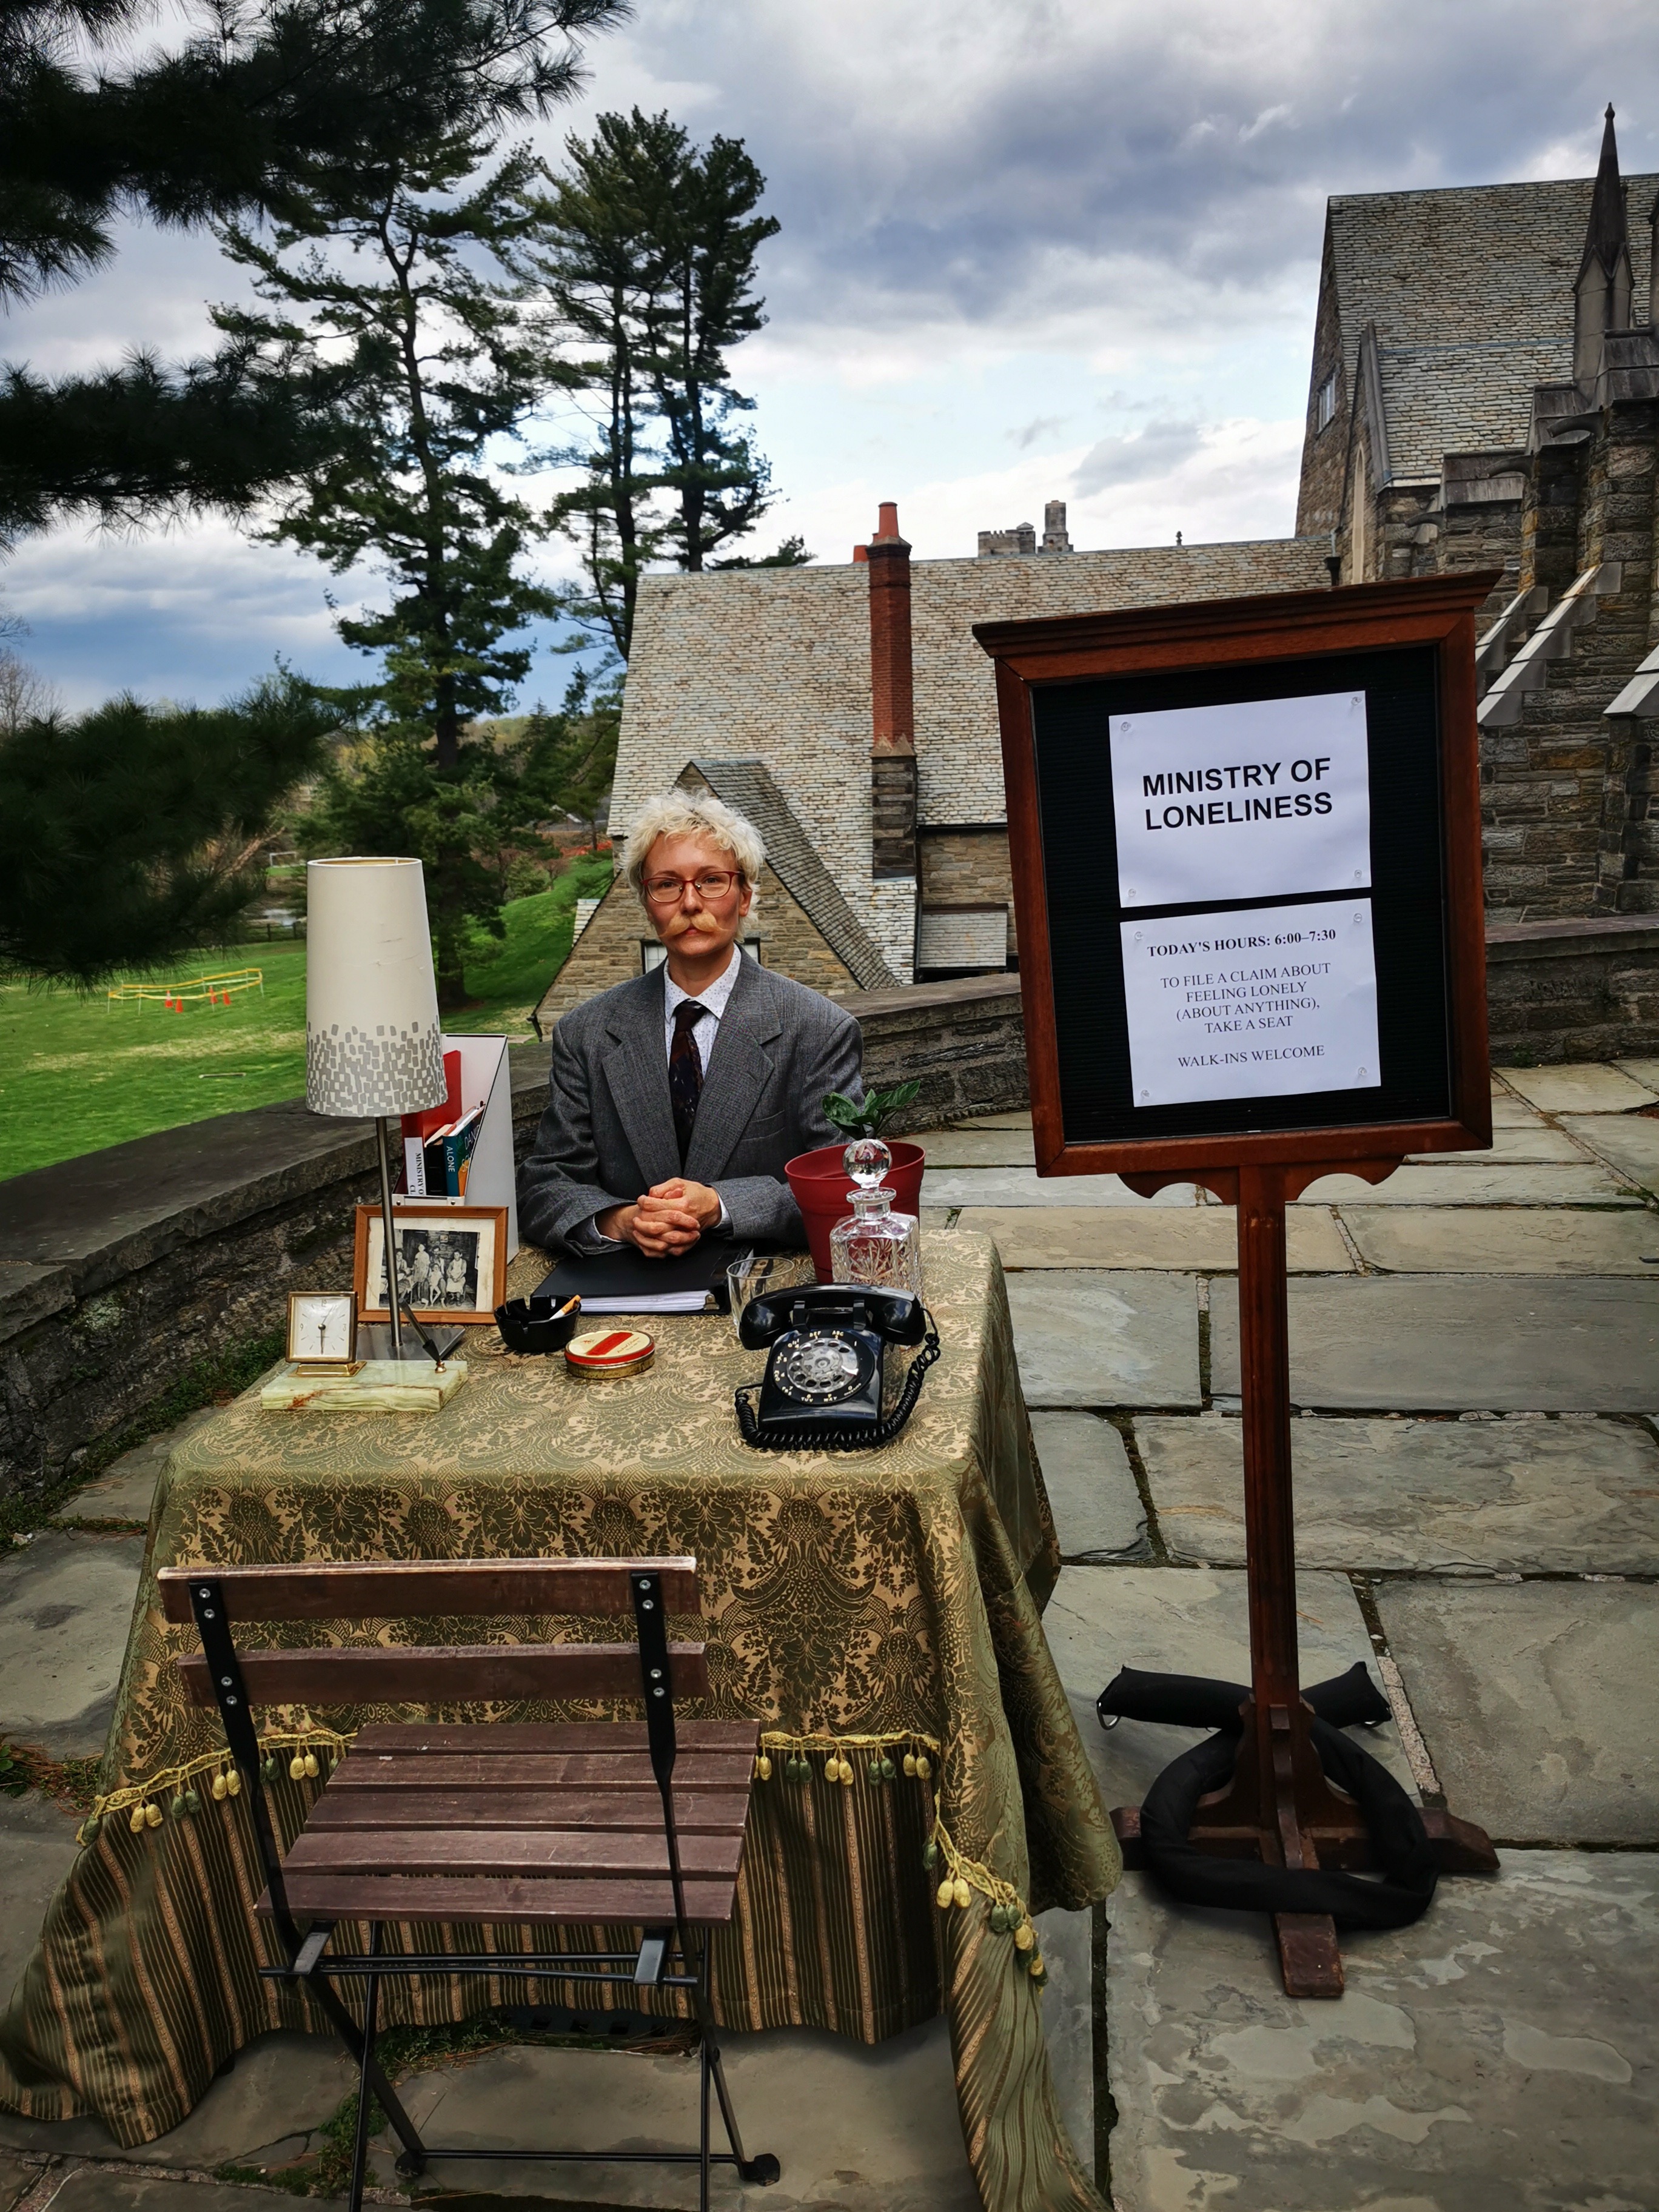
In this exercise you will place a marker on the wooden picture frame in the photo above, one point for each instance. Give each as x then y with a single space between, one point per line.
470 1242
1247 638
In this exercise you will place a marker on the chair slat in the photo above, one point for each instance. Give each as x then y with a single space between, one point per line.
555 1853
437 1900
696 1812
386 1773
459 1675
390 1590
693 1736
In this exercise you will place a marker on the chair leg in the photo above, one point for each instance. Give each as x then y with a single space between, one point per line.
763 2168
366 2073
702 2127
362 2054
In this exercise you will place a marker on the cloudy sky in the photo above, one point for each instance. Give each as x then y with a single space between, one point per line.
1029 249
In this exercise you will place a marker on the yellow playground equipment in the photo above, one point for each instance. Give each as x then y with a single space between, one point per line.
211 990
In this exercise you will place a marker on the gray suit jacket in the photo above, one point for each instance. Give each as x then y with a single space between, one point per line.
608 1132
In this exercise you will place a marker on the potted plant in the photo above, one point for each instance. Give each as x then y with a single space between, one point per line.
818 1180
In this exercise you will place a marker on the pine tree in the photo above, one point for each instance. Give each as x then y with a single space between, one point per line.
406 269
131 834
602 261
706 303
649 269
241 119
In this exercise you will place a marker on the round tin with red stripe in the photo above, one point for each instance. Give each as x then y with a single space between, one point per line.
600 1355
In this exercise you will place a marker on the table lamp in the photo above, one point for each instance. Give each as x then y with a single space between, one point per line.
372 1041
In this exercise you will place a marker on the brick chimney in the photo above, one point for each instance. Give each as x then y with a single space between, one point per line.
892 701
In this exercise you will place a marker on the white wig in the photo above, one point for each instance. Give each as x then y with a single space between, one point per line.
690 814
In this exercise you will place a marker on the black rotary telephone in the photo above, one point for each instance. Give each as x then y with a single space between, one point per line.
822 1386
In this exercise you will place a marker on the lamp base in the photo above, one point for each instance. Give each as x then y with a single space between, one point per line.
380 1386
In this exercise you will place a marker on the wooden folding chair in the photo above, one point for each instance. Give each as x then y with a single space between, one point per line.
531 1827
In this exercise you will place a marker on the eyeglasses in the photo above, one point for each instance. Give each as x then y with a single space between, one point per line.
713 883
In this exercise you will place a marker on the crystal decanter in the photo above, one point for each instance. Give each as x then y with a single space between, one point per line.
873 1244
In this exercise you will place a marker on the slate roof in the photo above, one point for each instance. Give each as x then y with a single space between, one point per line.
774 663
747 786
1471 289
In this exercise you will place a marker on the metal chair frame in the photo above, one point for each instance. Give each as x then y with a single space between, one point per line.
307 1960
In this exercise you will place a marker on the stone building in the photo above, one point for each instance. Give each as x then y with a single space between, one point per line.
1485 393
856 705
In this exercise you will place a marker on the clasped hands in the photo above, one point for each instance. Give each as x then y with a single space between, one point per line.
669 1218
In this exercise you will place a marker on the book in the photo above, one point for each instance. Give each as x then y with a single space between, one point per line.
418 1128
627 1282
458 1140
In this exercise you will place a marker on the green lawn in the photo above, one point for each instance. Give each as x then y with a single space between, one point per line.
76 1073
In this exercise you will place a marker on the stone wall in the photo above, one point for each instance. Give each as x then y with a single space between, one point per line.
1573 990
123 1270
969 867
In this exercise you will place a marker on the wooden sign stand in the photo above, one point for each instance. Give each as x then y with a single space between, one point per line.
1278 1805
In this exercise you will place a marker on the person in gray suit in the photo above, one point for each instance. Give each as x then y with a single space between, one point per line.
674 1099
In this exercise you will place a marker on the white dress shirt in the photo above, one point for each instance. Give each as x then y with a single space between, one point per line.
713 1001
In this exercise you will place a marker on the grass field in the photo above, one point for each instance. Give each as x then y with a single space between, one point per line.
77 1074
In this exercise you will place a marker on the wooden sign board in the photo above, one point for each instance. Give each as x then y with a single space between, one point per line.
1246 846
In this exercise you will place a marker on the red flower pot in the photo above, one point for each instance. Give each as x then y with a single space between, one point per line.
820 1184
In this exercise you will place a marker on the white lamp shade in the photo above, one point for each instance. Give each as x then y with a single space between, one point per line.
372 1041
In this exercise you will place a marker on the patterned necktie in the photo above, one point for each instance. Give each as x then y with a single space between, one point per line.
685 1071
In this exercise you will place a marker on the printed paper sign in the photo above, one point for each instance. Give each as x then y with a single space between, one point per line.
1268 798
1253 1004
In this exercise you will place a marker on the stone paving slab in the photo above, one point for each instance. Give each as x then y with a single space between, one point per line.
1523 1496
1203 1239
1505 1241
264 2113
977 1147
65 1607
1187 1621
1499 2056
856 2127
1628 1142
1024 1187
91 2189
1019 1120
1090 1485
1584 1087
1539 1702
1087 1338
126 1489
1640 1071
1427 1343
1509 1112
1586 1183
1531 1138
37 1850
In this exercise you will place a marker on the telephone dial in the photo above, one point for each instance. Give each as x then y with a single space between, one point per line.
823 1385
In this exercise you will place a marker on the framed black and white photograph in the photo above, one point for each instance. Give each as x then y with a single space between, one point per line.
452 1261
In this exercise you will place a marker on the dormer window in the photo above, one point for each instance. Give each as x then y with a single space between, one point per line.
1325 403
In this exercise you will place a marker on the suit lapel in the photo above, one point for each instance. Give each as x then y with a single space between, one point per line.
737 1071
636 1073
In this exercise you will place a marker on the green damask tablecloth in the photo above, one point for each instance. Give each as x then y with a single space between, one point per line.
892 1594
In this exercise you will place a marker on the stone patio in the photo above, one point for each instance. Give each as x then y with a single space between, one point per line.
1475 1354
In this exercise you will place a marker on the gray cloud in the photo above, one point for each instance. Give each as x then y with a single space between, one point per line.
1040 426
975 161
1152 452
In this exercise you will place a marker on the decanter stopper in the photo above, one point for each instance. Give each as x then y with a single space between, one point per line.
866 1159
